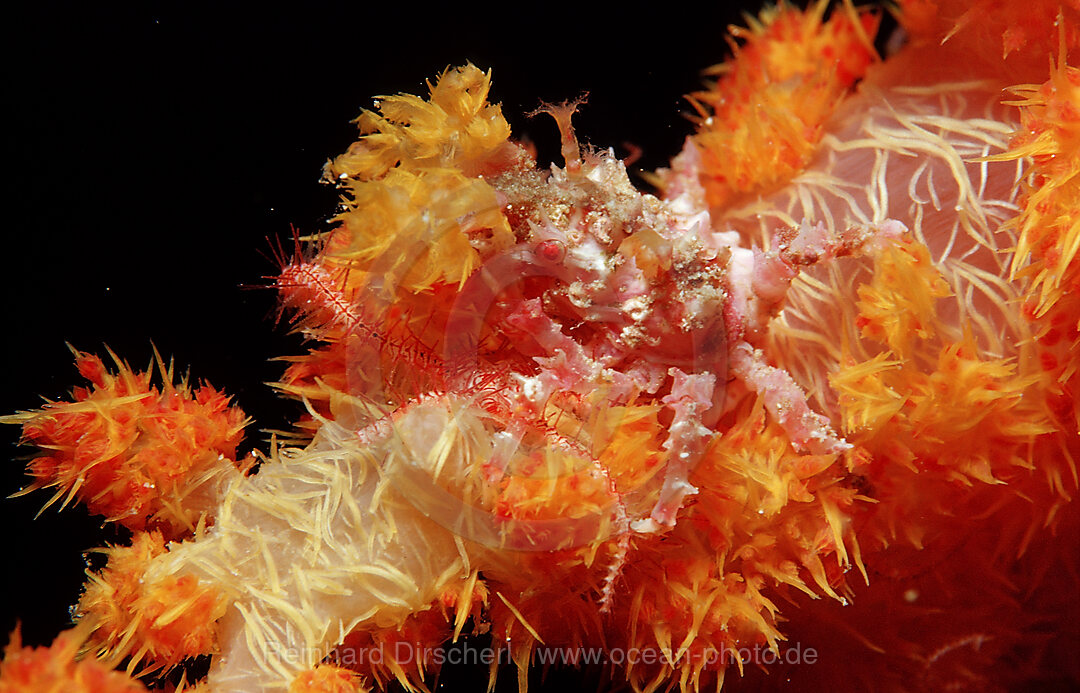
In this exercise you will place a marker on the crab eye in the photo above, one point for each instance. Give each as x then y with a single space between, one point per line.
550 251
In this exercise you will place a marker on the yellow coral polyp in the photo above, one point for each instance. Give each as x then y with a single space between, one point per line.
901 394
772 485
969 416
418 212
866 400
633 461
559 483
456 127
414 230
898 305
927 404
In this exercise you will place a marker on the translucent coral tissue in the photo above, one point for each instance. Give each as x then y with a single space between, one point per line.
803 411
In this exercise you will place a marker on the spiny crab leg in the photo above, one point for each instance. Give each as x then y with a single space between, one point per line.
758 281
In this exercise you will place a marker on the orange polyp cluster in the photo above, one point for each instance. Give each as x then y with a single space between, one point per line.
1049 229
794 509
56 669
762 120
586 471
561 482
937 417
765 518
140 456
326 678
160 619
1049 226
1012 38
956 441
1045 258
406 653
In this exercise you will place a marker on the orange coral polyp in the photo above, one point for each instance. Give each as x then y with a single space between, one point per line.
1049 229
575 415
159 620
326 678
138 455
57 669
762 120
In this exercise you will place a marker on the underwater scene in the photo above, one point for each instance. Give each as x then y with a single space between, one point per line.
593 350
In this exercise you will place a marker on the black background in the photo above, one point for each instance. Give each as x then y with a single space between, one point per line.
151 151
